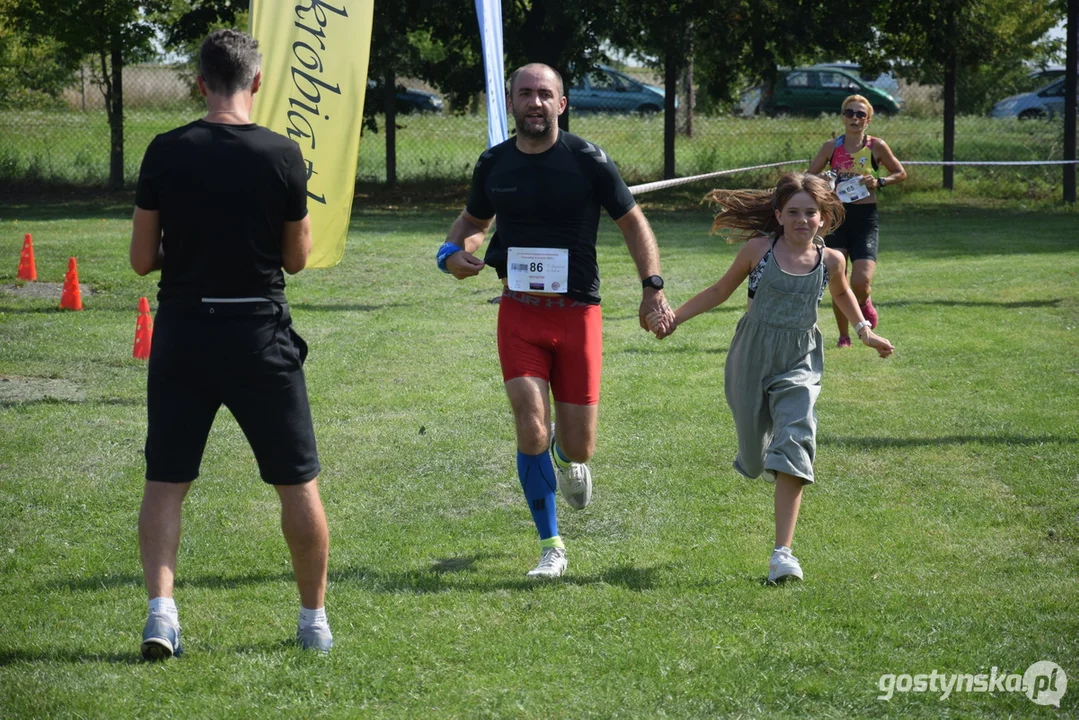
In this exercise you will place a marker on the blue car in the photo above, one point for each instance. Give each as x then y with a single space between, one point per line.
604 89
1040 104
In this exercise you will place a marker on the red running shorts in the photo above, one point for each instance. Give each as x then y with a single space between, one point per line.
553 338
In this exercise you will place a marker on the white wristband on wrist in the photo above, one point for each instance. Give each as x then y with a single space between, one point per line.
863 325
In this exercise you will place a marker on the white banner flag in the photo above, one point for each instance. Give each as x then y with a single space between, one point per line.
489 13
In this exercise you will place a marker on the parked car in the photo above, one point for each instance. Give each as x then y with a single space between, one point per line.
1048 102
882 81
410 100
605 89
812 91
1047 74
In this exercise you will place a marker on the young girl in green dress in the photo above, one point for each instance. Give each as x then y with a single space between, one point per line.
773 372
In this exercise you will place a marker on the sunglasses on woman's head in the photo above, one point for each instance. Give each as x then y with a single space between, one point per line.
854 113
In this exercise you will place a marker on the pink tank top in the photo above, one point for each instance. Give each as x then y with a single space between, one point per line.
847 165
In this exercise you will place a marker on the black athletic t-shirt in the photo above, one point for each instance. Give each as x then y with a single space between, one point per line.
224 193
549 200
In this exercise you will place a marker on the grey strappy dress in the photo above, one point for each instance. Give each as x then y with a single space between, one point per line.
773 373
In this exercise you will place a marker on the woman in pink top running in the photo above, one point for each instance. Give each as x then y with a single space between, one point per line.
855 158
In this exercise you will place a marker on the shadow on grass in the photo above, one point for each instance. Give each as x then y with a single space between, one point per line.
455 573
671 348
134 580
870 443
345 307
436 579
49 310
76 656
67 655
85 206
973 303
119 402
636 319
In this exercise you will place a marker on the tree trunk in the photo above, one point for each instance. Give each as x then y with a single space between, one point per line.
949 121
115 102
390 105
1072 44
670 119
690 99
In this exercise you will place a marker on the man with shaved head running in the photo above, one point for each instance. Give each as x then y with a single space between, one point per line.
547 187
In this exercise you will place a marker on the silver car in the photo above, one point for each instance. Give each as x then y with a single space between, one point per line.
1045 103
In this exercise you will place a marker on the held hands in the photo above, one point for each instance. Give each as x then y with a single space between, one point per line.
661 323
463 264
881 345
654 303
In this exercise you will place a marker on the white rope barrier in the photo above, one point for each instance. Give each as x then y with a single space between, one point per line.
664 184
990 162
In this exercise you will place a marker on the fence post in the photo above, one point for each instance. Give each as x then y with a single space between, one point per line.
949 121
1072 43
670 119
116 118
689 93
390 106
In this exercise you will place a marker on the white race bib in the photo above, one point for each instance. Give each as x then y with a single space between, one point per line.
851 190
538 269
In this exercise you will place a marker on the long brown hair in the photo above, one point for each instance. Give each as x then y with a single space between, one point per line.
747 213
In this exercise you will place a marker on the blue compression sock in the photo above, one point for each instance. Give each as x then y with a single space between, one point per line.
538 482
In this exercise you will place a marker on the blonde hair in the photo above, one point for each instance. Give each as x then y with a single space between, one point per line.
859 99
748 213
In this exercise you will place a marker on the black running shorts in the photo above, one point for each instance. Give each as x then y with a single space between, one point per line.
858 233
245 356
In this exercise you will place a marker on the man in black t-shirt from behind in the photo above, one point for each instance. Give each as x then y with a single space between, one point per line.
221 208
547 188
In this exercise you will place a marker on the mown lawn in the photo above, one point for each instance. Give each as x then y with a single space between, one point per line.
942 534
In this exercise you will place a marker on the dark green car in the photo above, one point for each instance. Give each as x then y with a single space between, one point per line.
812 91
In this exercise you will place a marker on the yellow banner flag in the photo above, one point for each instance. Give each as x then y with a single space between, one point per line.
314 78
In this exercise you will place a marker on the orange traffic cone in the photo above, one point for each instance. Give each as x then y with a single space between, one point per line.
27 267
144 331
72 296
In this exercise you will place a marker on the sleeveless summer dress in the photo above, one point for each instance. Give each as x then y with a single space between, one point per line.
773 373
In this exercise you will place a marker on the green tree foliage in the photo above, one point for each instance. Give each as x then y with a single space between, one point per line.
112 33
990 43
33 71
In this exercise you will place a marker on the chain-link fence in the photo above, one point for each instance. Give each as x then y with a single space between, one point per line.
70 143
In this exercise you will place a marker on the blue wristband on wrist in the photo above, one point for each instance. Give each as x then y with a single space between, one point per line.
444 252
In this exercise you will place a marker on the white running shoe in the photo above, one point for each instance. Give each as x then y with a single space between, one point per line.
574 482
783 567
552 564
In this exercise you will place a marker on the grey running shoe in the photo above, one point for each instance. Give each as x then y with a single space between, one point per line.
316 637
552 564
160 637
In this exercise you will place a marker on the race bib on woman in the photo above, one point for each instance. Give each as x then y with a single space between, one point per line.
538 270
851 190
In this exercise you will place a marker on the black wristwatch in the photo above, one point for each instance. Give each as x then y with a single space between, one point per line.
881 182
653 281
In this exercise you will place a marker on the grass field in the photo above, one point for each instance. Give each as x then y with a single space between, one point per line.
73 147
942 535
